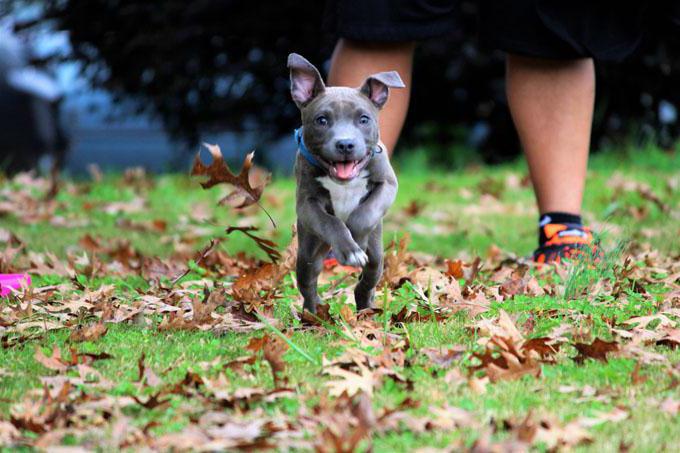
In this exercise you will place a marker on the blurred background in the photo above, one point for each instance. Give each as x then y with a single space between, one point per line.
127 83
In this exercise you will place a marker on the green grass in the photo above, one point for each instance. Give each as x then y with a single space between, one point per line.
459 220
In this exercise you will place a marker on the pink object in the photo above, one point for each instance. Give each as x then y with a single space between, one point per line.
8 282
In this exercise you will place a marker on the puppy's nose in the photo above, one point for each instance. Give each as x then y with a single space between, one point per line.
344 146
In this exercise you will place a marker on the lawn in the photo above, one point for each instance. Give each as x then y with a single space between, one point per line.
147 326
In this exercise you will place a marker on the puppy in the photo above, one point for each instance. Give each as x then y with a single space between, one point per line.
345 183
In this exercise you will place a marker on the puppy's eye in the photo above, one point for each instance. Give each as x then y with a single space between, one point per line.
364 119
321 120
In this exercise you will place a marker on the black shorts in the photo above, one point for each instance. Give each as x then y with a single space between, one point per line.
554 29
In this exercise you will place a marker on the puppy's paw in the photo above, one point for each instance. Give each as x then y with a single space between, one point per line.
357 258
351 255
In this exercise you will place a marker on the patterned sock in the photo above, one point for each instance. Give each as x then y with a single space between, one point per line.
562 235
556 218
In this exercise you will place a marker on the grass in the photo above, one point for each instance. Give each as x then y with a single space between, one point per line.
461 215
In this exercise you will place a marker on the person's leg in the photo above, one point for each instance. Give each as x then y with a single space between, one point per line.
353 61
551 102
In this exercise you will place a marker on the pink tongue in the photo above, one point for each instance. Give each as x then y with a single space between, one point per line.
344 169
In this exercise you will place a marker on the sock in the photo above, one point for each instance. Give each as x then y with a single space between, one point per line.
565 218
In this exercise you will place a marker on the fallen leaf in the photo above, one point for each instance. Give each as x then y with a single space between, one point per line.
443 357
53 362
670 339
273 350
92 332
598 350
349 382
635 377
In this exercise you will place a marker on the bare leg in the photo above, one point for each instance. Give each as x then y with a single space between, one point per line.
353 61
551 102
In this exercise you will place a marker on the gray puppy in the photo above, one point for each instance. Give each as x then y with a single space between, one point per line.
345 182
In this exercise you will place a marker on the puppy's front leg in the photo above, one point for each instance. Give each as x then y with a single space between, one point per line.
370 212
364 293
309 264
333 232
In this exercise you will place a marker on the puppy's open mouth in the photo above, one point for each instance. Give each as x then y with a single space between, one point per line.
348 169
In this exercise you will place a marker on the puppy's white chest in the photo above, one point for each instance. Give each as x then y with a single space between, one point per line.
345 197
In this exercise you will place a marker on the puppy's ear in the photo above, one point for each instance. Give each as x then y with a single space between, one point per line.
305 80
377 86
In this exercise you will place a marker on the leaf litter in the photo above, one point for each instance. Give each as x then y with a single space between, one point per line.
221 292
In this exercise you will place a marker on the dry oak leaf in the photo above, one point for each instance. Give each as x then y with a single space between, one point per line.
53 362
671 338
145 375
551 433
504 360
395 258
545 347
455 269
273 350
88 333
58 363
597 350
503 326
218 172
349 382
643 321
444 357
515 365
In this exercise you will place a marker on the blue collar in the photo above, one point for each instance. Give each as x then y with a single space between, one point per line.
304 151
310 157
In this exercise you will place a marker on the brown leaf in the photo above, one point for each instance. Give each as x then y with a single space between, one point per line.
444 357
53 362
635 377
547 431
414 208
597 350
670 339
503 360
395 258
87 357
454 269
90 244
248 288
349 382
544 346
256 343
273 349
92 332
515 367
153 401
346 422
145 375
218 172
503 326
475 267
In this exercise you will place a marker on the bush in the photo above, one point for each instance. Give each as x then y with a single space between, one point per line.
215 64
